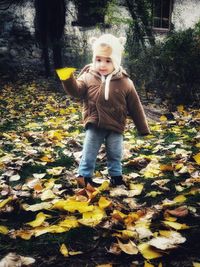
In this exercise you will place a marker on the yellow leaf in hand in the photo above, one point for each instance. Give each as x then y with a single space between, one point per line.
40 218
65 73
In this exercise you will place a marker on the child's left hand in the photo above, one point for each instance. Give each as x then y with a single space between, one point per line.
65 73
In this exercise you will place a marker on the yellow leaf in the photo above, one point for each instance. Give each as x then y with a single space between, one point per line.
64 251
92 218
198 145
136 188
47 194
3 230
50 183
24 234
72 205
55 171
118 215
147 264
160 264
65 73
176 225
196 264
5 201
180 108
40 218
148 252
104 186
163 118
166 167
69 222
104 203
153 193
126 234
56 229
33 125
46 159
197 158
180 199
74 253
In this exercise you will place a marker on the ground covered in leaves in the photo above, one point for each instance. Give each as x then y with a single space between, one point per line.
152 221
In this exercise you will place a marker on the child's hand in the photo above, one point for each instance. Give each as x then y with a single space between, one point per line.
65 73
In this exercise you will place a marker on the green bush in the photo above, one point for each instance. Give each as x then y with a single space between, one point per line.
171 68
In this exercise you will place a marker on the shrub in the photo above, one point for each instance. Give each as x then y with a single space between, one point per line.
171 68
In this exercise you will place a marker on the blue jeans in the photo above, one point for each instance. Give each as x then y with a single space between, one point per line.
94 138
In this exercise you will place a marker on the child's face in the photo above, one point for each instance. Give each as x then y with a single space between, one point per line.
103 65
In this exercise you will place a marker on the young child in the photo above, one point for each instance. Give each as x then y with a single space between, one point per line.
108 95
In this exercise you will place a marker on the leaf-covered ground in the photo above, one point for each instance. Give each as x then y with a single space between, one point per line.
153 221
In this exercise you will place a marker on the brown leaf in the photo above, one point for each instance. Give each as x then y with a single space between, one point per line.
178 212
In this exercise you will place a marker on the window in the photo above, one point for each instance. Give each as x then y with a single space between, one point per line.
161 14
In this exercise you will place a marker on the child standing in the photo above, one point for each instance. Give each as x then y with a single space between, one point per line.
108 95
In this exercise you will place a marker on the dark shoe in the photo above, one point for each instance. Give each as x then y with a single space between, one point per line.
117 180
84 181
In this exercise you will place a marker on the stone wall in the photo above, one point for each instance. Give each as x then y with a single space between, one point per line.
19 51
186 14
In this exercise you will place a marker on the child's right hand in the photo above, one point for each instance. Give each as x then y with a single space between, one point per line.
65 73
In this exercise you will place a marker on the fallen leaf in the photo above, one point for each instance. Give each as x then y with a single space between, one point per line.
64 251
197 158
165 243
39 220
5 201
104 203
36 207
13 260
69 222
136 188
163 118
14 178
176 225
147 264
129 248
3 230
149 252
72 205
92 218
179 199
178 212
47 194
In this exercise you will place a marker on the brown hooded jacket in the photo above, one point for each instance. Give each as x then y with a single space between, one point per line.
112 113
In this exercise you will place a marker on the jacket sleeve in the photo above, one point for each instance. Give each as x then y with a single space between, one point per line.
75 87
136 110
